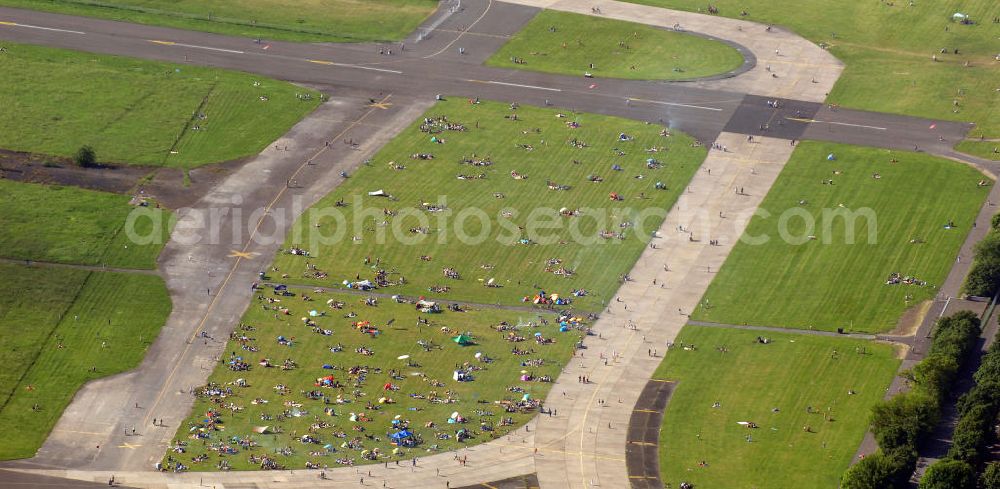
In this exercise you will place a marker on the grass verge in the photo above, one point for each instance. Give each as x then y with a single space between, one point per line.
983 149
568 44
140 112
301 20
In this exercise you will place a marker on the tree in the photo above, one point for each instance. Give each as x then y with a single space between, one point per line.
973 434
871 472
934 375
85 157
988 247
881 470
900 421
949 474
984 277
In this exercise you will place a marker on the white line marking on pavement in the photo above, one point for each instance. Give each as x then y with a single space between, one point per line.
172 43
536 87
467 29
344 65
853 125
369 68
29 26
208 48
674 104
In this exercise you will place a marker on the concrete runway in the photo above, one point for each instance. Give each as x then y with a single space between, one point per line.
424 68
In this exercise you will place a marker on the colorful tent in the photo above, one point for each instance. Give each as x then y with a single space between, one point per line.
463 340
401 434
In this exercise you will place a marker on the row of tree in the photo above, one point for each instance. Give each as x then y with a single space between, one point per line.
984 277
901 422
974 434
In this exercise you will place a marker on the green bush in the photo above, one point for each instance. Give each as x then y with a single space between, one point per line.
995 222
949 474
988 247
973 434
934 374
978 410
870 472
984 277
901 422
983 394
955 335
989 370
991 477
85 157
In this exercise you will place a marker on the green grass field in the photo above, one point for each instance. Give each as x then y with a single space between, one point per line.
72 225
792 373
298 20
887 47
140 112
56 326
565 43
828 283
420 387
478 235
983 149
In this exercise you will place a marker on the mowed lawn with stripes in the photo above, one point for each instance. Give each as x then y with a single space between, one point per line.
60 328
140 112
832 233
61 325
807 397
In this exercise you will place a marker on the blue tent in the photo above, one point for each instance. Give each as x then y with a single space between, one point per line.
401 434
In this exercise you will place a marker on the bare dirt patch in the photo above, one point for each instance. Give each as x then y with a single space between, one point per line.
167 186
911 319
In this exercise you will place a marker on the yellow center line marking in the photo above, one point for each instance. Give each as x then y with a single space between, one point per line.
320 61
662 380
381 105
644 411
164 43
129 446
241 254
7 23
